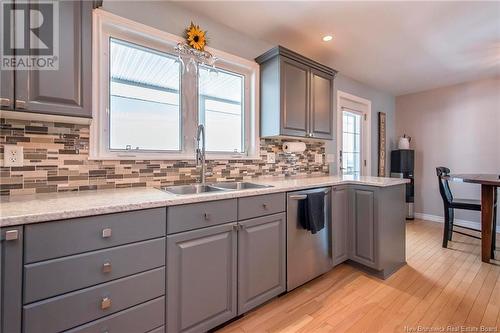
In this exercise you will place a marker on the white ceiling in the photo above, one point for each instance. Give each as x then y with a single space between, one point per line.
399 47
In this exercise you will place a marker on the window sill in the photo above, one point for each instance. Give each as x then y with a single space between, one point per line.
168 157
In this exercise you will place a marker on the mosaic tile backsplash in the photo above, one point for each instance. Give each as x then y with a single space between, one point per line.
56 160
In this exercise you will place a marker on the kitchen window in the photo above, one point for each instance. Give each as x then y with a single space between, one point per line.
144 104
147 106
221 109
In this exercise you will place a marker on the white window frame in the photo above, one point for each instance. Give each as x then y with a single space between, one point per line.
106 26
362 107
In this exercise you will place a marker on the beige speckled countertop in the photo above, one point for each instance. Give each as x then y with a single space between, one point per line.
18 210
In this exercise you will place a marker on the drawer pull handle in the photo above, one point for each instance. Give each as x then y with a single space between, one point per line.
5 101
106 233
20 104
264 206
106 267
298 197
11 235
105 303
206 216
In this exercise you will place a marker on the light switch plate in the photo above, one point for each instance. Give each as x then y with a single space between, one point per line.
330 158
13 155
318 158
271 158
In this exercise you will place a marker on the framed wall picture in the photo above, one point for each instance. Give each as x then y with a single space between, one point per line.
381 144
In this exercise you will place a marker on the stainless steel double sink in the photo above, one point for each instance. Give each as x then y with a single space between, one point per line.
214 187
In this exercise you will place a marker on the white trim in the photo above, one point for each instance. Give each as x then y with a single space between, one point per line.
458 222
105 25
22 115
366 132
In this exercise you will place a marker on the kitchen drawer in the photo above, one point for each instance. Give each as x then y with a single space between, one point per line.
139 319
200 215
261 205
58 276
80 307
66 237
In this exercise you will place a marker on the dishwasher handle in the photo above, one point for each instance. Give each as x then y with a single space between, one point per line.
303 196
298 197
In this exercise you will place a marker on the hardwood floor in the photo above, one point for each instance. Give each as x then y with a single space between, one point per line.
438 288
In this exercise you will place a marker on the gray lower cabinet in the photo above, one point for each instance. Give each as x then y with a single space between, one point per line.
11 272
377 228
261 260
67 90
76 308
363 227
201 278
138 319
340 223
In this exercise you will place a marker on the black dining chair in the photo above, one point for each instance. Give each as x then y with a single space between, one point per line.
450 204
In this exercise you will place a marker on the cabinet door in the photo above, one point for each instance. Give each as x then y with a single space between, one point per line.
363 224
201 278
340 218
11 265
261 260
321 105
66 91
294 98
6 89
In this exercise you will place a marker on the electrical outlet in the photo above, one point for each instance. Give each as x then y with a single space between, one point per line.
13 155
318 158
271 158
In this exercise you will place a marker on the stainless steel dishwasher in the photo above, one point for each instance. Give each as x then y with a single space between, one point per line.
308 255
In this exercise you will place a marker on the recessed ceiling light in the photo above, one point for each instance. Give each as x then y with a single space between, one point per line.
327 38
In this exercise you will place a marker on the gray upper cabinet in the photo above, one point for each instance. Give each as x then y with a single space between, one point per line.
340 223
295 100
201 278
261 260
321 116
296 95
67 90
6 89
11 272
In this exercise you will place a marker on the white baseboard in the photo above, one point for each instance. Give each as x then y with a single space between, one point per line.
440 219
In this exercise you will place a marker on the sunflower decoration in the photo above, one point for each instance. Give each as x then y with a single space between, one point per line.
196 37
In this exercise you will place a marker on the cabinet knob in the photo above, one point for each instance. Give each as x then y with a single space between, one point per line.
20 104
264 206
106 233
206 216
106 267
4 101
105 303
11 235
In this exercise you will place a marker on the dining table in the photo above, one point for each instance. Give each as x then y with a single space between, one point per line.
489 185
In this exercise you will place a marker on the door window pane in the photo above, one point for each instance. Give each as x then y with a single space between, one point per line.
221 109
144 111
351 143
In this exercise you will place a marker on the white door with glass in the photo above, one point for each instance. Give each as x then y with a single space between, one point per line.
353 135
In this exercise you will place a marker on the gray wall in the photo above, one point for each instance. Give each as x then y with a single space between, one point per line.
169 17
457 127
381 102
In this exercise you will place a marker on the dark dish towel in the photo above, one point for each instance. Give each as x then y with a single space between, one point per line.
312 212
